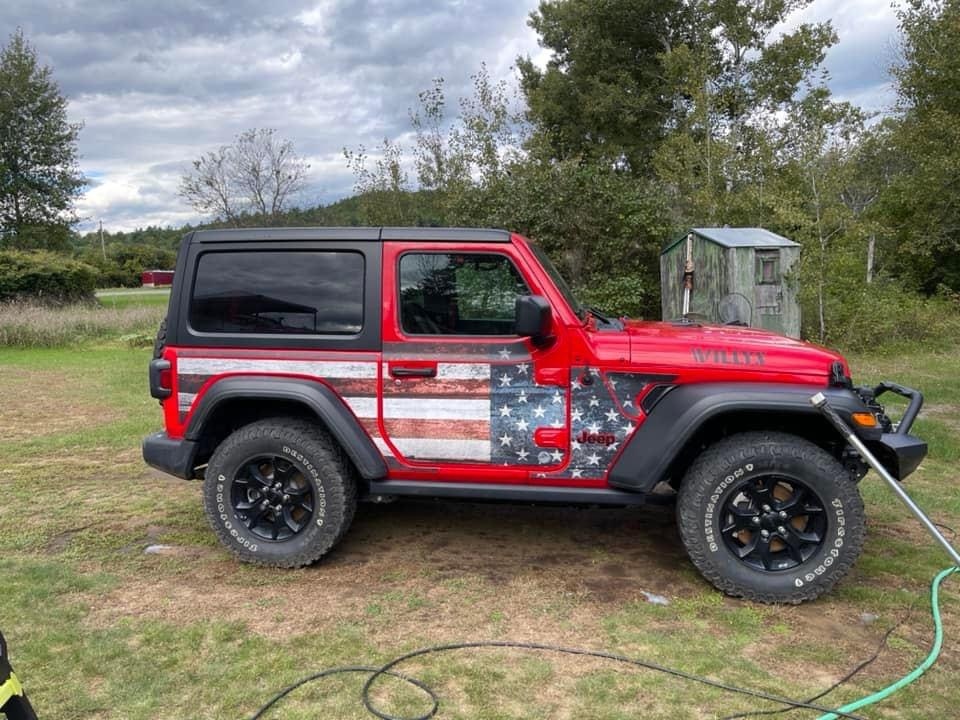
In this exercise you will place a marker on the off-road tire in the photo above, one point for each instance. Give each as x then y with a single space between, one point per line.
716 478
319 460
160 340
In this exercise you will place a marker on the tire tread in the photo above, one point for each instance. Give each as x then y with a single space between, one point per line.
340 486
715 462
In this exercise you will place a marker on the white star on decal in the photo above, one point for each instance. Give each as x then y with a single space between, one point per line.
504 353
576 415
612 415
594 402
539 411
523 396
612 447
505 380
505 440
613 383
522 425
523 368
575 384
557 399
628 403
574 445
522 454
594 427
557 424
593 459
578 473
556 455
627 429
505 411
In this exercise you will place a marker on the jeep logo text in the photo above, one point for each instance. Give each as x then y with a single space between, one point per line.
595 438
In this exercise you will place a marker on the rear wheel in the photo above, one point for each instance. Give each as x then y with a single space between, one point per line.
279 492
770 517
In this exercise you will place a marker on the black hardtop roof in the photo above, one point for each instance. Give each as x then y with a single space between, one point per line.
376 234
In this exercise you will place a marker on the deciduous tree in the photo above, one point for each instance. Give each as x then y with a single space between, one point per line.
258 174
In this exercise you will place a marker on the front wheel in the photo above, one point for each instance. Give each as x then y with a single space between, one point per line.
279 492
770 517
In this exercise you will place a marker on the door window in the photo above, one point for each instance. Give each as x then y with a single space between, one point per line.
458 293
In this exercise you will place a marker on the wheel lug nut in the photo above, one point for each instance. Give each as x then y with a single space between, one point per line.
755 520
765 533
782 530
766 508
286 498
783 515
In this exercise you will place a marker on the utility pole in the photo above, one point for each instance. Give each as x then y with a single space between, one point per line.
103 248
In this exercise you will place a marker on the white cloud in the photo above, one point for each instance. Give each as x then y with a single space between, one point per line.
159 84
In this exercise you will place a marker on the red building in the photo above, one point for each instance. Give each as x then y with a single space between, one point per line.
156 278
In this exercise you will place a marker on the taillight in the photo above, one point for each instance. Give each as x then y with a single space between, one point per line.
161 379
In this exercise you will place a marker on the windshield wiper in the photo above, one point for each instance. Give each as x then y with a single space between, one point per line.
600 316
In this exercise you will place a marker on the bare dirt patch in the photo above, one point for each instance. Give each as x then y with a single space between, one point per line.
948 414
35 403
447 570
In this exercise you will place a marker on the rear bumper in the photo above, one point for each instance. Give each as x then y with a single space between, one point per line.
169 455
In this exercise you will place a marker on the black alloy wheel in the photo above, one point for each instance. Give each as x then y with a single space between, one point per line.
770 516
773 523
279 492
272 498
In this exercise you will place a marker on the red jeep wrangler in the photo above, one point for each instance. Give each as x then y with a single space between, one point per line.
302 370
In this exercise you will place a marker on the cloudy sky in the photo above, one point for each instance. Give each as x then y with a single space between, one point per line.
160 83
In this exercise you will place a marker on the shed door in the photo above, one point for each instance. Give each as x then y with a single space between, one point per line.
768 283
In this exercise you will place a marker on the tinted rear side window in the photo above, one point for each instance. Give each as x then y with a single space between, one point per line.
282 292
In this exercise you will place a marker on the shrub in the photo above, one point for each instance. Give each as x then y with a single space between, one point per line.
124 264
884 314
44 277
617 295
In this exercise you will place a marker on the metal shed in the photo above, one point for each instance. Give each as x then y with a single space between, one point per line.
739 275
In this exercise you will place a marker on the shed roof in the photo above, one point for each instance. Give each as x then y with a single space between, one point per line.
738 237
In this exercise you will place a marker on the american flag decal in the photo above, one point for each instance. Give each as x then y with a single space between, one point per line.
602 413
483 412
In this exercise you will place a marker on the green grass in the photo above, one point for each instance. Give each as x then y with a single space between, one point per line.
133 297
98 629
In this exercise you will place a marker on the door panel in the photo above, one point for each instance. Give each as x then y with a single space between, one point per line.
476 409
453 394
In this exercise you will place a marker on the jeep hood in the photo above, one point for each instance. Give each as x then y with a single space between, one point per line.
727 348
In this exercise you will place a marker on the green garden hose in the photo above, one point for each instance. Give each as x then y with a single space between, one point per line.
921 668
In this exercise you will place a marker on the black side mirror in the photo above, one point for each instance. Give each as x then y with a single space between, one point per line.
533 317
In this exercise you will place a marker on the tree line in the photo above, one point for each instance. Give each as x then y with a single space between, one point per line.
650 117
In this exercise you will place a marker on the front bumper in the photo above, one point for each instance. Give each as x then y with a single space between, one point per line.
900 452
170 455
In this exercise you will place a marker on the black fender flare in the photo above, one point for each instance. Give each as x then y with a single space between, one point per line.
317 397
681 412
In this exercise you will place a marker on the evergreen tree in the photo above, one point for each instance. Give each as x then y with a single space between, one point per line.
39 177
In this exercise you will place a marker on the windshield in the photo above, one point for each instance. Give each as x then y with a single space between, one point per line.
558 279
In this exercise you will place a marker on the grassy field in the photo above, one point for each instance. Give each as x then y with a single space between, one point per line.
99 629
